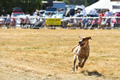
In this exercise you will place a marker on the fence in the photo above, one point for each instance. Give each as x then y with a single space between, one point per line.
76 24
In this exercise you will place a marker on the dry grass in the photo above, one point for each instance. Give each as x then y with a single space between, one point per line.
46 54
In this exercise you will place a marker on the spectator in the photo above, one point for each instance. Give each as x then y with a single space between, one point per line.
100 18
108 13
98 13
13 23
78 12
35 13
73 23
103 11
103 23
94 23
75 15
67 14
108 22
43 23
70 22
22 22
76 23
2 20
49 15
7 22
26 22
116 21
38 13
89 22
34 22
84 22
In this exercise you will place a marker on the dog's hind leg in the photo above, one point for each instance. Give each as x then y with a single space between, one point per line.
75 58
79 63
82 65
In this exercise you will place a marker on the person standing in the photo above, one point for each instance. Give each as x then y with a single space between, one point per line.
7 22
2 20
13 23
27 22
84 22
108 13
35 13
100 18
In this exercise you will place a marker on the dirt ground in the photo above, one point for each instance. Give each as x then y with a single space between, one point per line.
45 54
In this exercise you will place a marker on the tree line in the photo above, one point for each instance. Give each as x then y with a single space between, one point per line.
29 6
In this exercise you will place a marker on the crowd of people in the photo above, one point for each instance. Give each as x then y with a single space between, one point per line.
25 22
8 22
105 19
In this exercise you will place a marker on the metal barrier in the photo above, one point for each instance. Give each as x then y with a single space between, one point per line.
115 22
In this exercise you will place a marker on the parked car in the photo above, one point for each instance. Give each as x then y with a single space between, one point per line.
88 15
60 14
17 12
51 13
42 12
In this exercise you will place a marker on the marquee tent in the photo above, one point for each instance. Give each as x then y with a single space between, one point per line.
116 7
102 4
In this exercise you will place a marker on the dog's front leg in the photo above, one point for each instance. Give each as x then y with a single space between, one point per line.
82 65
75 57
79 63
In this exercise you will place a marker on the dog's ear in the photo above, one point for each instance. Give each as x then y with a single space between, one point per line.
88 38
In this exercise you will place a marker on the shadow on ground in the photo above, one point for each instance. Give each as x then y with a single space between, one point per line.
92 73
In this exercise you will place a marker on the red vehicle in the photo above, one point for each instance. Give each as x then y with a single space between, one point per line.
17 12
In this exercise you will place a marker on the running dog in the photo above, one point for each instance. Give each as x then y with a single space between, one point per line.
81 51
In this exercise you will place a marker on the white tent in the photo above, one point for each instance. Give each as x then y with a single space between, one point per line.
102 4
91 11
116 7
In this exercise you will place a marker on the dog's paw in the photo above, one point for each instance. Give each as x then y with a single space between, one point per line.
76 67
73 71
81 66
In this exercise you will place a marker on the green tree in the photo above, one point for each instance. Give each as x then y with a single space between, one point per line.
89 2
28 6
66 1
86 2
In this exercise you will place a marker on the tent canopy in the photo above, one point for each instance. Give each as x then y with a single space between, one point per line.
102 4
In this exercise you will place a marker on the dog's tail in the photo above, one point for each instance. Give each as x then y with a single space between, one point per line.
74 47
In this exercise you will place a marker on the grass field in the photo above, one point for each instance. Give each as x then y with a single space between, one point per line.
45 54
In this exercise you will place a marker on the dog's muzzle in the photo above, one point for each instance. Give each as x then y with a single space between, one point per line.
80 43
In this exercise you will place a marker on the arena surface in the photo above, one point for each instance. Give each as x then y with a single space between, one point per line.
45 54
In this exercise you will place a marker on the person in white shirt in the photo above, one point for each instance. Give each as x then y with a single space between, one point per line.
2 20
78 12
75 15
35 13
108 13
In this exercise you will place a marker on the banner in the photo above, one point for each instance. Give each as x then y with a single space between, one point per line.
53 21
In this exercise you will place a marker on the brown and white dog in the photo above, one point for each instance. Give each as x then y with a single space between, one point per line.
81 51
